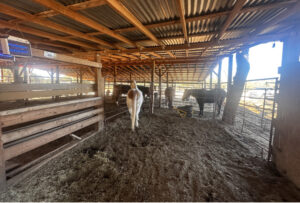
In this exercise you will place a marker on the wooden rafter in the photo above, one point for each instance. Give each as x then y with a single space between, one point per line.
40 33
171 54
180 8
123 11
262 38
47 23
236 9
154 54
281 4
82 19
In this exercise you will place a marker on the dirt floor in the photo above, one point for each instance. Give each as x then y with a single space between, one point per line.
167 159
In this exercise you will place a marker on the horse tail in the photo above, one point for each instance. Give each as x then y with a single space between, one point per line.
134 107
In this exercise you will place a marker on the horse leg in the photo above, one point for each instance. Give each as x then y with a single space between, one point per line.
201 108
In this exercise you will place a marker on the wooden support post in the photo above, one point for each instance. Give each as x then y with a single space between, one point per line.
152 88
229 79
25 72
80 78
57 79
204 84
167 79
144 83
159 78
130 76
2 164
210 80
16 73
115 75
100 89
219 73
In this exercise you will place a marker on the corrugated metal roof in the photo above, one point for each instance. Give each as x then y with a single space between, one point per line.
105 16
28 6
161 11
149 11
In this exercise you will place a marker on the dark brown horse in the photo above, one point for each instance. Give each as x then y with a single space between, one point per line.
170 95
206 96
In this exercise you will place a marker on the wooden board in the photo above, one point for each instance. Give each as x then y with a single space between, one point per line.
23 147
30 87
10 96
64 58
18 118
40 127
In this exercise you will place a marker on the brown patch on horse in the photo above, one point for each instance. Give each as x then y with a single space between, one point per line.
132 93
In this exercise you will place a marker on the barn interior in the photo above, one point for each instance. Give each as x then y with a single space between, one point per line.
65 137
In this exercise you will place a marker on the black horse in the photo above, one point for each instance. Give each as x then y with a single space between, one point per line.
206 96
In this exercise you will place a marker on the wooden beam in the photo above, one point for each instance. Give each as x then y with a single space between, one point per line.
74 7
155 54
123 11
171 54
180 8
201 45
152 88
236 9
8 10
63 58
82 19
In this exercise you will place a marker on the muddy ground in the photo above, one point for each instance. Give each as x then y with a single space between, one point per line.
167 159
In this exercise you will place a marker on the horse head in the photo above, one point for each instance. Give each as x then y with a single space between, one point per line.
186 95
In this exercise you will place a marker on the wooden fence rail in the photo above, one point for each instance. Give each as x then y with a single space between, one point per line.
36 126
9 92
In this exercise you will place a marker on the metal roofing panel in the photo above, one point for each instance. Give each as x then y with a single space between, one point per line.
106 16
45 29
69 2
198 7
28 6
70 23
149 11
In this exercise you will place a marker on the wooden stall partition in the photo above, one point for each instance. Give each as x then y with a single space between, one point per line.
32 127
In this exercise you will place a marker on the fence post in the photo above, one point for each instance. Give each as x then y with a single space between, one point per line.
152 88
2 163
263 111
272 121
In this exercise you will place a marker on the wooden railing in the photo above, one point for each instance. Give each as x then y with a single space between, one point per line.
10 92
43 124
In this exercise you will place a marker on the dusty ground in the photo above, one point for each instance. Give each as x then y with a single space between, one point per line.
167 159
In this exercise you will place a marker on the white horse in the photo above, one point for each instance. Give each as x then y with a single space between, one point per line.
134 102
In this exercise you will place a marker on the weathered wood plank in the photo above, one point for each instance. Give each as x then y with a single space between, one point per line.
46 106
23 147
43 113
30 87
64 58
40 127
9 96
